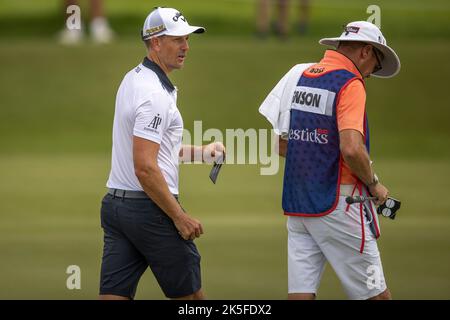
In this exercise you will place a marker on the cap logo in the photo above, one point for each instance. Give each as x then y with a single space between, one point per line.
177 16
352 29
155 29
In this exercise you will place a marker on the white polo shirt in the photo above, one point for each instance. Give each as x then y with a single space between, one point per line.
146 108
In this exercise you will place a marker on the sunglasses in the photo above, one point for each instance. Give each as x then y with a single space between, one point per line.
377 56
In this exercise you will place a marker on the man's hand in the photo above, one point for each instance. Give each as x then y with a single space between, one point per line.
379 191
213 151
189 228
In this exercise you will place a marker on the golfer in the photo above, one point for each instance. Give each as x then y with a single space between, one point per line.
143 222
319 112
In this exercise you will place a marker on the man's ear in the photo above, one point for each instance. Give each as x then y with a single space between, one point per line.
155 44
365 51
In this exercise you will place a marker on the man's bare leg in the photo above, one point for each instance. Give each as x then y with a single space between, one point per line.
263 17
385 295
199 295
283 18
301 296
111 297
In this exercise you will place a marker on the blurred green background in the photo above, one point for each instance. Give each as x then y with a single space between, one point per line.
56 111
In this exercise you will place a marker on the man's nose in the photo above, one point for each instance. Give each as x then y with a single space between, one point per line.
185 45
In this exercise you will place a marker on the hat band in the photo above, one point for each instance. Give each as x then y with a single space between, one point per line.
154 31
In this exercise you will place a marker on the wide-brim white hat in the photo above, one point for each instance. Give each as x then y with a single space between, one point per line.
367 32
167 21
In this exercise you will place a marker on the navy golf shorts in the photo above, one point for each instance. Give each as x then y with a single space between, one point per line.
137 235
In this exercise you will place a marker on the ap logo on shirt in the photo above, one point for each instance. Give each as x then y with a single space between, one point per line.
155 122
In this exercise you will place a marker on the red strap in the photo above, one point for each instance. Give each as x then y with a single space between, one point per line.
348 205
363 235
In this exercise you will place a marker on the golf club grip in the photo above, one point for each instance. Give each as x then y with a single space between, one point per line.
358 199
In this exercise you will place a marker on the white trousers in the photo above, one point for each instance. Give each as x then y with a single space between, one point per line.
337 238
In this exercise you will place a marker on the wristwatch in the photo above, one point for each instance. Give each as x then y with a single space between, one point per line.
374 181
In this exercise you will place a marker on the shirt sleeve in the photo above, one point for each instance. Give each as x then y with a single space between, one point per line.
351 107
152 118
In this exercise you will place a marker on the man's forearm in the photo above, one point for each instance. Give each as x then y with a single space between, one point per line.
189 153
281 146
359 164
154 184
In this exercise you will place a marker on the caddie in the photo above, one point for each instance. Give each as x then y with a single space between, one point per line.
318 110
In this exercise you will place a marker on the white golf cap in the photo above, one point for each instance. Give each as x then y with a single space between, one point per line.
369 33
167 21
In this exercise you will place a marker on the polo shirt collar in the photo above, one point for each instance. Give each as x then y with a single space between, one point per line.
165 81
332 57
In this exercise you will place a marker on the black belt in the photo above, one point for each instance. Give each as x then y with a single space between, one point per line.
130 194
127 194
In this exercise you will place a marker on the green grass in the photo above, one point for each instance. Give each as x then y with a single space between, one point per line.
50 220
65 98
399 18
